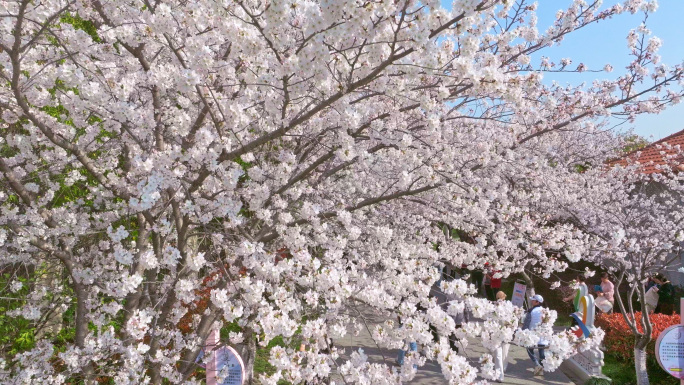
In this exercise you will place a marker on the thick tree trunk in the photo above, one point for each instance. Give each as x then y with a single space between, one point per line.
642 340
530 285
248 354
640 366
49 278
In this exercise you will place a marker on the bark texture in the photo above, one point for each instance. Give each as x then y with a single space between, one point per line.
640 366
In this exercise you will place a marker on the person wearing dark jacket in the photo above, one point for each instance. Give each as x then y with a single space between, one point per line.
478 279
666 299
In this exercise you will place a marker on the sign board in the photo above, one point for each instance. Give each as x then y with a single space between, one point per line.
229 366
225 364
518 297
670 350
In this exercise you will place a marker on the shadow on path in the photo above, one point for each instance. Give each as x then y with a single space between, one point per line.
520 368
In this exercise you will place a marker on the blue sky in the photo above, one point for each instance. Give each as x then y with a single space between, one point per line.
605 43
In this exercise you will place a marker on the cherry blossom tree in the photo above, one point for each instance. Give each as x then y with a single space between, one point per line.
284 164
632 217
638 231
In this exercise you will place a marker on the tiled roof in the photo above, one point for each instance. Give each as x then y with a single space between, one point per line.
658 154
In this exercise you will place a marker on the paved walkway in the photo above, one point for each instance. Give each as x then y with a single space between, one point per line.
519 365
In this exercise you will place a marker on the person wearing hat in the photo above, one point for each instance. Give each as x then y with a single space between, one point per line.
533 318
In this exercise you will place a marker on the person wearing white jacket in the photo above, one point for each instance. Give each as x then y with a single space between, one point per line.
500 353
533 319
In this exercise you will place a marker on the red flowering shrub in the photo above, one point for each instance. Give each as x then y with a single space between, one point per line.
619 339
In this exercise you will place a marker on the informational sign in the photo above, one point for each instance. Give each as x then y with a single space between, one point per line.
229 366
518 298
225 366
670 350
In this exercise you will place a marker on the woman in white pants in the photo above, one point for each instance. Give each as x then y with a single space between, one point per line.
500 354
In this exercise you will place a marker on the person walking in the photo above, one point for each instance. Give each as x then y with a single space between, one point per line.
533 318
500 353
412 345
459 317
492 285
477 276
402 353
489 294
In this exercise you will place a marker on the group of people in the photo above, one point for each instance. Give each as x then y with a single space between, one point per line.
658 289
490 281
658 297
605 293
